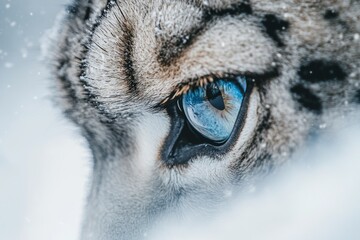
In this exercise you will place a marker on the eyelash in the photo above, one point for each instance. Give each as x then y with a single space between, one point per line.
183 88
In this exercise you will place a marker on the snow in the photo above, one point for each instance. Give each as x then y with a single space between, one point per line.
8 65
356 37
43 162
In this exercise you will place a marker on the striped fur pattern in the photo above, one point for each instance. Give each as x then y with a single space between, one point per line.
116 63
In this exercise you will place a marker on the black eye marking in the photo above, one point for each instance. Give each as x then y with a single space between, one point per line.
273 26
331 14
306 98
321 70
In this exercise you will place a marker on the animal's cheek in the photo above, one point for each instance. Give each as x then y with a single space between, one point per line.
150 134
213 174
248 132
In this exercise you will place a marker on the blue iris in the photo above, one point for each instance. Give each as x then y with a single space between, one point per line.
212 110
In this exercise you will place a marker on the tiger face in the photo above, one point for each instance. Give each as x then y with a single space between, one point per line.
181 101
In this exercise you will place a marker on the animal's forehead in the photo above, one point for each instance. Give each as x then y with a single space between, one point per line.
155 45
174 42
178 26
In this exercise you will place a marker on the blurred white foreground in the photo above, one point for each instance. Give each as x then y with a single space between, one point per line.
43 161
315 197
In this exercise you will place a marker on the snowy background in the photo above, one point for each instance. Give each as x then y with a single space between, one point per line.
44 162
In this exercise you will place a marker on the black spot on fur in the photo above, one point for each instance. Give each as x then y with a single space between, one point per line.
331 14
265 123
321 70
357 97
80 10
274 26
72 9
88 10
306 98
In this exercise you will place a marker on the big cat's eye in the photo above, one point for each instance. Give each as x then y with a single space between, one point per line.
212 110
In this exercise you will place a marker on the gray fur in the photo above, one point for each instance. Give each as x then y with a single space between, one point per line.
111 98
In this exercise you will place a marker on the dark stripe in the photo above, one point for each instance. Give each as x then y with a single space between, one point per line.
263 155
66 83
88 94
127 58
321 70
128 45
275 26
172 48
75 10
306 98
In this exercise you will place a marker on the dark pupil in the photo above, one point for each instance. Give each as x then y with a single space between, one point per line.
214 96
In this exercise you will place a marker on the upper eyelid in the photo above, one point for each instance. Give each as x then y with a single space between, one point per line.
258 78
184 87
